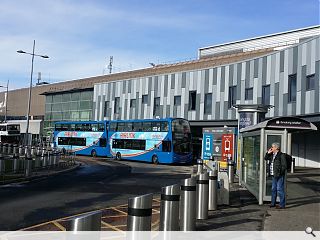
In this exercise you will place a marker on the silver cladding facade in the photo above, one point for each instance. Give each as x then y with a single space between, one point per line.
272 69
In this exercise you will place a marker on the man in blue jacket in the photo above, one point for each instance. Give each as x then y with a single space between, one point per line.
278 167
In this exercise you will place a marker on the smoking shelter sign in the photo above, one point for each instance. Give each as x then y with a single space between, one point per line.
246 119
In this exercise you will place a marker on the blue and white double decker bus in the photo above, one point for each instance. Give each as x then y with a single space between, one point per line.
152 140
83 138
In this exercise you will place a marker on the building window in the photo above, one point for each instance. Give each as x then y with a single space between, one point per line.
232 96
117 105
106 108
177 100
266 95
144 99
156 107
208 103
132 103
249 94
292 81
310 83
192 100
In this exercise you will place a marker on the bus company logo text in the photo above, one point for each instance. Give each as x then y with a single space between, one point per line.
127 135
70 134
156 136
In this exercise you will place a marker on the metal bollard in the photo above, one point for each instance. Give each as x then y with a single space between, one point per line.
293 165
169 208
213 190
28 165
5 148
2 163
202 195
15 162
21 150
187 203
139 213
15 149
10 149
50 158
44 157
33 151
200 166
231 171
1 146
86 222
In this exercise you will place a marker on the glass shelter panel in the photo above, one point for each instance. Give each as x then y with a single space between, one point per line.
251 163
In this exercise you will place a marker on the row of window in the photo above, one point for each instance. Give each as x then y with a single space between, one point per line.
137 144
145 126
86 127
76 141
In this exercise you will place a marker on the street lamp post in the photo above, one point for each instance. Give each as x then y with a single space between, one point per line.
6 102
27 140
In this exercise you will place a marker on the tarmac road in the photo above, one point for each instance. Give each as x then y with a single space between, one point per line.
95 185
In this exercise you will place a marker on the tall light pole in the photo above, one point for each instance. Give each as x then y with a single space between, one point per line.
29 98
6 102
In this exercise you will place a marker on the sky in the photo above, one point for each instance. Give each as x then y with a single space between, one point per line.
79 36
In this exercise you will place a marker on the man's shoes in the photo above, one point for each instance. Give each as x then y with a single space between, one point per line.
279 207
272 206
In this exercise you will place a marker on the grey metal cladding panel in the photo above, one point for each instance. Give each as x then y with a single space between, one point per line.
98 109
303 88
138 106
198 106
183 82
247 72
113 93
125 108
294 108
175 111
276 99
239 72
150 83
256 68
264 70
223 74
231 67
317 83
165 85
285 104
259 100
130 82
214 82
217 111
225 112
282 61
206 81
173 80
168 111
185 111
156 81
238 91
124 86
161 111
295 60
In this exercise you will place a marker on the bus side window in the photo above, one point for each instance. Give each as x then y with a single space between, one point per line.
164 127
103 142
101 127
166 146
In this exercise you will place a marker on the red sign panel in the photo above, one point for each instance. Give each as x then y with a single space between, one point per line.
227 147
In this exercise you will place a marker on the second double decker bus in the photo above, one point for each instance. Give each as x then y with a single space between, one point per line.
165 140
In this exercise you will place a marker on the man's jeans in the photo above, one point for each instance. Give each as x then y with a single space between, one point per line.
278 190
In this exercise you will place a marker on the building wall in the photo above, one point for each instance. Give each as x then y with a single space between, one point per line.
274 69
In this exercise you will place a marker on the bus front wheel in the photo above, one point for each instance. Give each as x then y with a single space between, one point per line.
118 156
93 153
155 159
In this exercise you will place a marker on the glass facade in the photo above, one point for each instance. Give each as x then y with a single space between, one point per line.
69 106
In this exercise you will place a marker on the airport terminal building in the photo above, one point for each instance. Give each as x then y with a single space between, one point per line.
281 70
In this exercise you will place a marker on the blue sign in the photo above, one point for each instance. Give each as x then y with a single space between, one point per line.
207 146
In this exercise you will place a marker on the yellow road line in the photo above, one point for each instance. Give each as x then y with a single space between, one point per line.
113 208
62 228
38 225
156 211
114 216
110 226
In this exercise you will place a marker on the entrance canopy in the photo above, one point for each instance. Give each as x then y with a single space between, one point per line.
290 123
